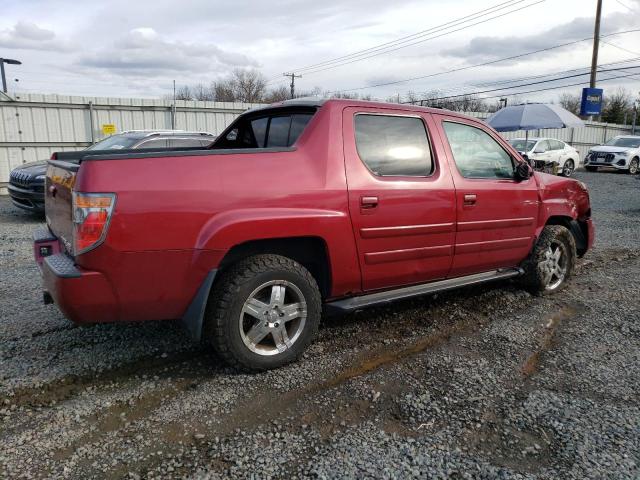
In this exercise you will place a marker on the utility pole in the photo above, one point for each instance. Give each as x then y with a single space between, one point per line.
596 42
293 82
8 61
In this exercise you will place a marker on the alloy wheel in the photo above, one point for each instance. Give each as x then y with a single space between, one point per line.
633 166
554 265
567 168
273 317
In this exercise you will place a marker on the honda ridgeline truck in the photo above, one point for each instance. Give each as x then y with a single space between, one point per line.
298 207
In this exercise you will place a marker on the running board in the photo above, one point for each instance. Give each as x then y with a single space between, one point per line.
355 303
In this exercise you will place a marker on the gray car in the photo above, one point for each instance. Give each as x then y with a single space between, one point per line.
26 182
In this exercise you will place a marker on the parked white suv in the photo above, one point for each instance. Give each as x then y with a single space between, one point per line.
621 152
548 154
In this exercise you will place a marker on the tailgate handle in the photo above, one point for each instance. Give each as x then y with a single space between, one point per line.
369 202
470 199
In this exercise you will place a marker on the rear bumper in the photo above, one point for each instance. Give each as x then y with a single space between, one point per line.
83 296
27 199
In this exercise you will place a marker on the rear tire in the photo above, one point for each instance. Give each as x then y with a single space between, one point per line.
591 169
552 261
263 313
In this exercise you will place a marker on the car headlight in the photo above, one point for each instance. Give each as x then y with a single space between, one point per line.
40 177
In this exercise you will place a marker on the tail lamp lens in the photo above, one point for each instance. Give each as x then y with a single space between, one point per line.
91 215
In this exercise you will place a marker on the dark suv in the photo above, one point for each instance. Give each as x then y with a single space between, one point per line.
26 182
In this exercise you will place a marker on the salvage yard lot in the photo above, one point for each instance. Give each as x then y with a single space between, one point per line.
485 382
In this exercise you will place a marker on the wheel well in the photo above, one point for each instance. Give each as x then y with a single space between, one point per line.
578 230
311 252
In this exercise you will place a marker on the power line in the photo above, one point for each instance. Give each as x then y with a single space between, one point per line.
627 7
483 64
620 48
381 50
528 91
421 41
538 82
530 77
414 36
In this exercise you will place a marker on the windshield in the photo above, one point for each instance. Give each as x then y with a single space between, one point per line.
626 142
519 144
115 142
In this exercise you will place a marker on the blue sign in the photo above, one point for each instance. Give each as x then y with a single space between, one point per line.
591 101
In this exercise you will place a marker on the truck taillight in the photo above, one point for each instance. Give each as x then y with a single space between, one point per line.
91 216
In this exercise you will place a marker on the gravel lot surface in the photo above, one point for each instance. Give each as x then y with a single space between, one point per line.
485 382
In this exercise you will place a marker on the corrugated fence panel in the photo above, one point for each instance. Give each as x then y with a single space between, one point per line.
36 125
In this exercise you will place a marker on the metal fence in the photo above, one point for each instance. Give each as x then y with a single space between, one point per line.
33 126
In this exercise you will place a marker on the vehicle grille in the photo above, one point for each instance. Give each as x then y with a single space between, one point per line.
603 157
19 179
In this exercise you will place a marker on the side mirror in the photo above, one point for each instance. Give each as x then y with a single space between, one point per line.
522 171
540 150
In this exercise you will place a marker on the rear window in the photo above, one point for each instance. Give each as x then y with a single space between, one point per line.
276 129
393 145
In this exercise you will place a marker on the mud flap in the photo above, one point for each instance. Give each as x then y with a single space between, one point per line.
194 316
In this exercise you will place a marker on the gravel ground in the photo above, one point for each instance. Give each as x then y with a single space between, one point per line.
486 382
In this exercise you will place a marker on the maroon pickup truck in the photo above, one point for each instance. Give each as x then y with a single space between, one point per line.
296 207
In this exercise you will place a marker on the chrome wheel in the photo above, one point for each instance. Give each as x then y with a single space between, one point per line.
567 168
273 317
554 265
633 166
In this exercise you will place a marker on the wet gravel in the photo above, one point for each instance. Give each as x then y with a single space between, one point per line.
486 382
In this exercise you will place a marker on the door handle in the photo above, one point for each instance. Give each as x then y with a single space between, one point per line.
470 199
368 202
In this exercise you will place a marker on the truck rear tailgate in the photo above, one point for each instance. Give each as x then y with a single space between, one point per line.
61 177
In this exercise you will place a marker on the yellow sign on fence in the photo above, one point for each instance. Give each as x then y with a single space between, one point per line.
108 128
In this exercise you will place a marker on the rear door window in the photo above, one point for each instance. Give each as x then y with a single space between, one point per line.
392 145
278 134
184 142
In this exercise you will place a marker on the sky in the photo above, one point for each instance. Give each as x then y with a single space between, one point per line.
137 48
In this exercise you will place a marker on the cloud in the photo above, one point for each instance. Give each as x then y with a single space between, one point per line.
491 47
143 50
29 36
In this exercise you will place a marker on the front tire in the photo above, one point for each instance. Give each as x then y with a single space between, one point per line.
567 168
263 313
552 261
634 166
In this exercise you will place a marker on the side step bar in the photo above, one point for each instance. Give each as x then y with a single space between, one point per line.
356 303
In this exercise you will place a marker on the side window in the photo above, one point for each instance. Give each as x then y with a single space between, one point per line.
544 146
476 153
393 145
155 143
259 126
279 131
557 145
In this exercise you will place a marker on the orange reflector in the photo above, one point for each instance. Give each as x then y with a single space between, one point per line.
85 201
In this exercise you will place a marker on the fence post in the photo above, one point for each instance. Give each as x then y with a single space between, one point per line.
173 116
604 134
93 139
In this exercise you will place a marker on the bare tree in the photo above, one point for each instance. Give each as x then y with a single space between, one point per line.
200 92
277 94
571 102
184 93
249 85
223 91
